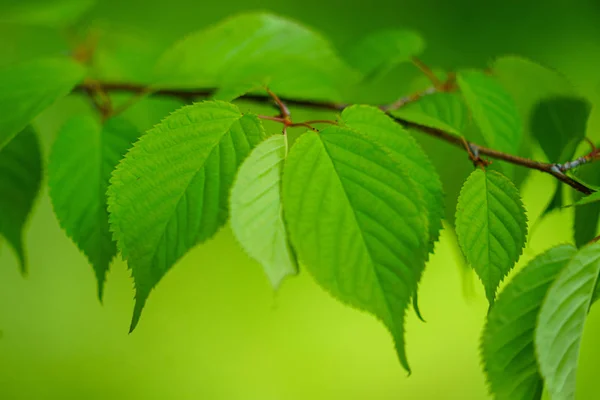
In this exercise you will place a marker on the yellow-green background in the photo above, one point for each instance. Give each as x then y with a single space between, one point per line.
213 329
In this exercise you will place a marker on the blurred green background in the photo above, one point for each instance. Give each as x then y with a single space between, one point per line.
213 329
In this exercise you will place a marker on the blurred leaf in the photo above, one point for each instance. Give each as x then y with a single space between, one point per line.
378 53
491 226
592 198
28 89
20 179
507 344
529 83
559 125
494 112
587 213
256 48
257 213
445 111
561 321
51 13
171 191
357 223
82 160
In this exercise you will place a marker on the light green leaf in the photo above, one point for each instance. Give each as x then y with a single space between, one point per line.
561 322
491 226
256 48
375 125
20 177
444 111
379 52
257 212
82 160
494 112
54 14
592 198
357 223
27 89
171 191
507 344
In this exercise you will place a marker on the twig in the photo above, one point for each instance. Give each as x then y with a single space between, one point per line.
455 140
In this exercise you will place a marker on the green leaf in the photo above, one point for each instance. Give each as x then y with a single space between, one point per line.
82 160
494 112
529 83
559 124
444 111
561 322
592 198
378 53
507 344
256 48
491 226
171 191
54 14
28 89
257 211
357 223
20 177
587 210
375 125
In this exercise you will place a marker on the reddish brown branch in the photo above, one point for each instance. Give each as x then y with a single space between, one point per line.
549 168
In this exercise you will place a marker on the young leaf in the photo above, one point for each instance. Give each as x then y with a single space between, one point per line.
494 112
507 344
357 223
171 191
257 213
82 160
20 177
403 149
27 89
379 52
255 48
561 321
445 111
491 226
559 124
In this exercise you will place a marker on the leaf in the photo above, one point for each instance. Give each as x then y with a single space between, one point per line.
507 344
529 83
491 226
559 124
53 14
375 125
444 111
403 149
379 52
256 48
587 210
28 89
20 177
590 199
171 191
257 212
357 223
82 160
494 112
561 321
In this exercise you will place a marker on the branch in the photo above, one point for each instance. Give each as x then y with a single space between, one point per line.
556 170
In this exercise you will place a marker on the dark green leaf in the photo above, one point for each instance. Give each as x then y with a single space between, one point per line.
27 89
82 160
20 177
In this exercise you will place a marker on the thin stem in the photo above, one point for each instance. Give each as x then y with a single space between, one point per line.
455 140
427 72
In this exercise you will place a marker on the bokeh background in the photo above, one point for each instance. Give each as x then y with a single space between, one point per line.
213 329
